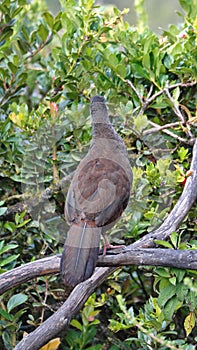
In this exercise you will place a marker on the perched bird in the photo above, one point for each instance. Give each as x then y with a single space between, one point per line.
97 196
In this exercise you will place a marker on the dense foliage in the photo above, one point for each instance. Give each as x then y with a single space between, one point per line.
50 67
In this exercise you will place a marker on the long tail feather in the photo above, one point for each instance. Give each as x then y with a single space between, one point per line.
80 254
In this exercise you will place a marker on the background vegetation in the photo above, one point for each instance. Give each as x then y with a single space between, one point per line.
50 67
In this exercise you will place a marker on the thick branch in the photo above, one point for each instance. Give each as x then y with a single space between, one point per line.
22 274
183 259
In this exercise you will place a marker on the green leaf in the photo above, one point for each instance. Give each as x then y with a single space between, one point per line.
172 280
138 71
121 70
166 294
176 93
146 61
182 153
163 243
7 340
163 272
8 260
43 32
77 325
6 315
140 122
171 306
6 248
16 300
10 226
48 18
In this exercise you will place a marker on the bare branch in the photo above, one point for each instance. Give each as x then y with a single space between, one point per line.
170 133
135 90
183 259
159 128
81 293
22 274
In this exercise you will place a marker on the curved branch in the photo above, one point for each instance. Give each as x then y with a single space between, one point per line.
182 259
22 274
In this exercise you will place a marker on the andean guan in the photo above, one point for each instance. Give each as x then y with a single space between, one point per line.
97 196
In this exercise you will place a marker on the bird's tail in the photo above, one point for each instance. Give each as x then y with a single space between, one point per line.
80 253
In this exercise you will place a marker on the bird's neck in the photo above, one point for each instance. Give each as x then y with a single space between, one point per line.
104 130
101 125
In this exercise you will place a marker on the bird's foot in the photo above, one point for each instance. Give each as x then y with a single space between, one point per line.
108 246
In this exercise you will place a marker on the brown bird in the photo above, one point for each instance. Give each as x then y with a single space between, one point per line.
98 194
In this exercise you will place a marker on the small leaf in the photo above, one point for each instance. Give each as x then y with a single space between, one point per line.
176 93
139 71
173 280
10 226
76 324
189 323
121 70
43 32
48 18
4 249
163 243
16 300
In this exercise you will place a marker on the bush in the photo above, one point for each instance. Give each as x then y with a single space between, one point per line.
50 67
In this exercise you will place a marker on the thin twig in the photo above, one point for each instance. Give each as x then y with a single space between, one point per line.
170 133
135 90
159 128
178 112
44 43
